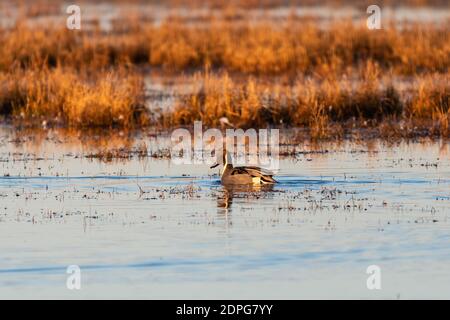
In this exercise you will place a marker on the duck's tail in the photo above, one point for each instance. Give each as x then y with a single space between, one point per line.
268 180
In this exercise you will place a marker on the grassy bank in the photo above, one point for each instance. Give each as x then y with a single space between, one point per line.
64 97
296 74
267 48
322 106
116 99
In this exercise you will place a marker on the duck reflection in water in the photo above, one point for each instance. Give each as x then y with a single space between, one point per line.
225 198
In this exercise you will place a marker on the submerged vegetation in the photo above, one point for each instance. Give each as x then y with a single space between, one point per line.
297 73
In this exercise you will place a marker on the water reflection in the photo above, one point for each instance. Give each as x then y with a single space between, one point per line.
225 199
337 208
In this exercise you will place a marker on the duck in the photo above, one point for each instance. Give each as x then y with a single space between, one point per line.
245 175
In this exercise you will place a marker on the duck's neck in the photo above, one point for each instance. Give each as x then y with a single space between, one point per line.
226 166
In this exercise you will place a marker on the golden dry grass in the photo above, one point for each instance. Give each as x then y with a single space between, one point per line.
265 74
64 97
431 102
311 104
317 105
295 47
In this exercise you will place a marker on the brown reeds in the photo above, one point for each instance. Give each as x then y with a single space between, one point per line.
309 104
266 48
64 97
261 74
431 103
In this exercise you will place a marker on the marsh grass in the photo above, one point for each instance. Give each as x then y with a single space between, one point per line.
65 97
116 99
431 103
266 48
296 73
308 103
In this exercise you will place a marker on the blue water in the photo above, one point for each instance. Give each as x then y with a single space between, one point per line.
185 236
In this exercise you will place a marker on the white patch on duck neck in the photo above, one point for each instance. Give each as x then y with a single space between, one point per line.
228 162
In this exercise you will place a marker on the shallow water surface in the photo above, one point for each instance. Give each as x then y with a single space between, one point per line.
105 15
145 228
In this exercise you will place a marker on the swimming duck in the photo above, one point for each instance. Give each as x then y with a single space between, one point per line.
245 175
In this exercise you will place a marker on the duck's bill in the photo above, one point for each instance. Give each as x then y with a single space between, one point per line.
214 165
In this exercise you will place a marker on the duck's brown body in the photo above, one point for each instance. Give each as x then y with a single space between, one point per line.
244 175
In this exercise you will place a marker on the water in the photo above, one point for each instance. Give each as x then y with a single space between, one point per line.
106 14
313 235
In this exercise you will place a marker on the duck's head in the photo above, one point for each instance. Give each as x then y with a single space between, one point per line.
226 160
